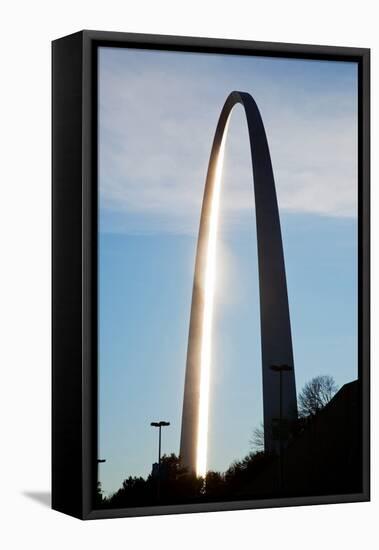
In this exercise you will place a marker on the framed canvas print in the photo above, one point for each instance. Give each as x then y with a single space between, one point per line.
210 274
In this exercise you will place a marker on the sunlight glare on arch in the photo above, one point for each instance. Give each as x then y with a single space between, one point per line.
208 310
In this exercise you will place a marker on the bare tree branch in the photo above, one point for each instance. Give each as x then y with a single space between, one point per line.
316 394
257 441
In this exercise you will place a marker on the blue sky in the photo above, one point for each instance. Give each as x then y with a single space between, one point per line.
157 115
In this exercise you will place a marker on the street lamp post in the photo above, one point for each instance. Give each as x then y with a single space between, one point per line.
280 369
159 425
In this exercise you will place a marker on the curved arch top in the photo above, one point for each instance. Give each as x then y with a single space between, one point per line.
276 340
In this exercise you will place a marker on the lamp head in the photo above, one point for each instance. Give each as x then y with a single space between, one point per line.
281 368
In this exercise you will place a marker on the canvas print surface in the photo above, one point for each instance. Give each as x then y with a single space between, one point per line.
227 269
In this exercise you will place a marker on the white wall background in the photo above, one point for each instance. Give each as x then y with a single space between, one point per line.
26 31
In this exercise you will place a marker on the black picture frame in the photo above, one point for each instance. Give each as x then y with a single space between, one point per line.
74 264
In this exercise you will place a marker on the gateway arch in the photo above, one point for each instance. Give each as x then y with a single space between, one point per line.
279 389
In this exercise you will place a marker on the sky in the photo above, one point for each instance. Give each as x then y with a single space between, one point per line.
157 116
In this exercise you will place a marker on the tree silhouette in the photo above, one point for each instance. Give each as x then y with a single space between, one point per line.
215 486
99 495
244 471
257 441
170 483
177 485
316 394
135 491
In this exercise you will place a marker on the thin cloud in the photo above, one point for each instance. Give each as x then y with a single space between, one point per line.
157 121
